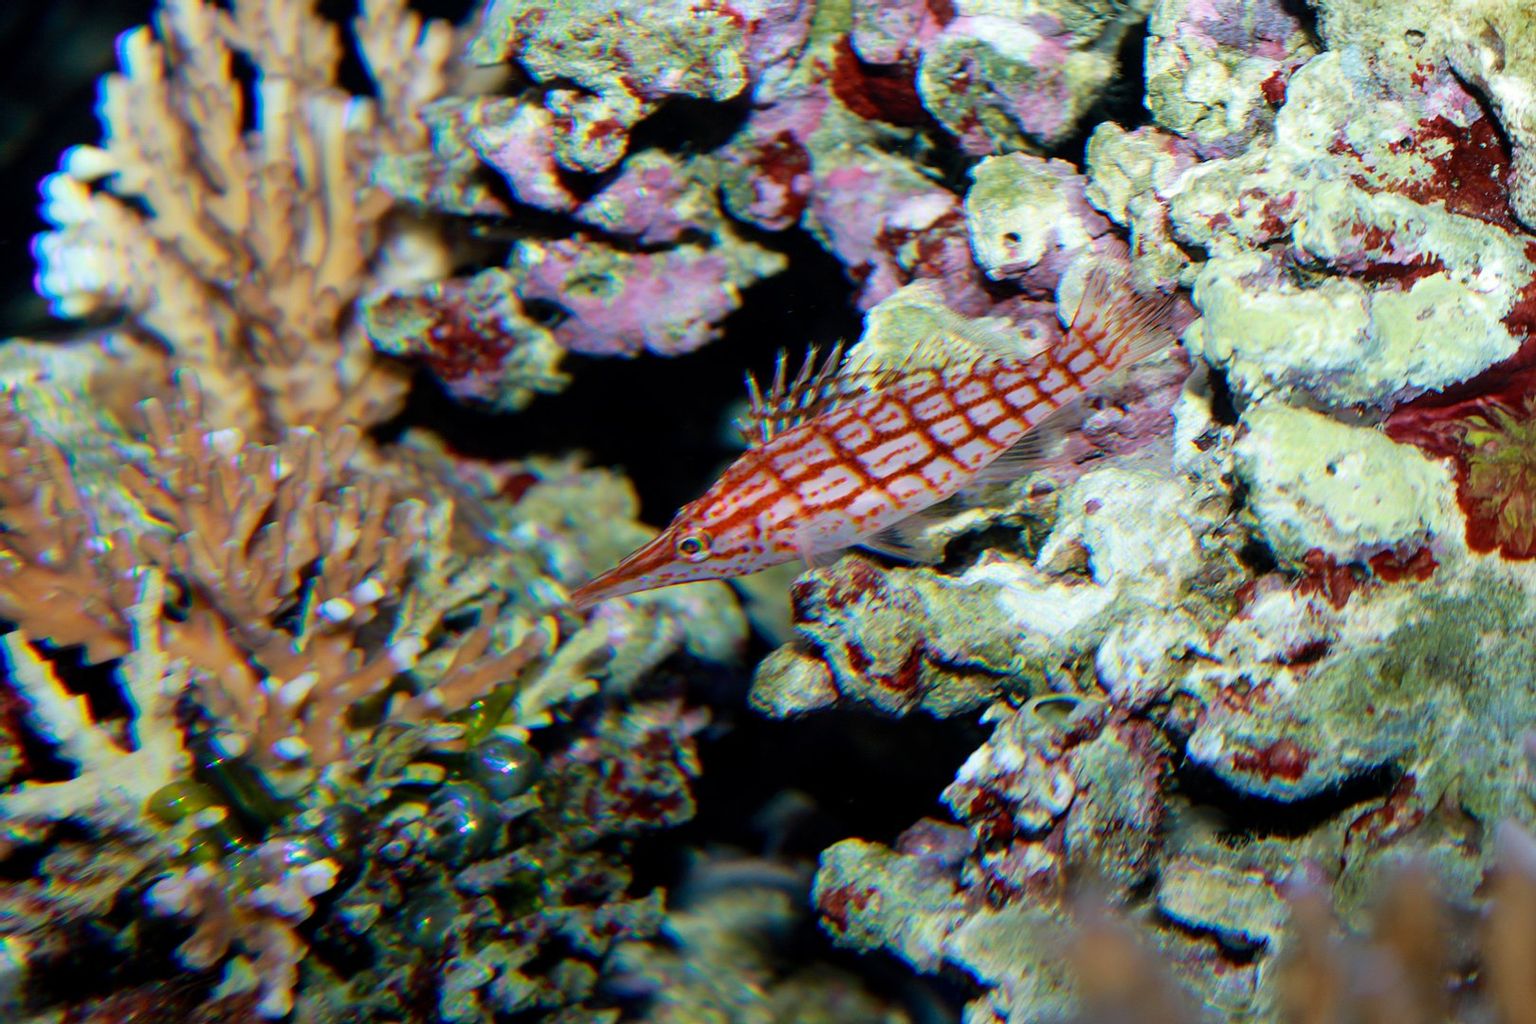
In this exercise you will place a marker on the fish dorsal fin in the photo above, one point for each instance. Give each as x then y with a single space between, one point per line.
817 387
822 384
957 343
1115 325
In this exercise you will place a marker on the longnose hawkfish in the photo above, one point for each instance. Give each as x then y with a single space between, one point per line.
842 456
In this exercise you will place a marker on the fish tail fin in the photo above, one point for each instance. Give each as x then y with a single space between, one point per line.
1115 325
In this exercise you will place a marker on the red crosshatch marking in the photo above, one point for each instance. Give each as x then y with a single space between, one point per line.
833 458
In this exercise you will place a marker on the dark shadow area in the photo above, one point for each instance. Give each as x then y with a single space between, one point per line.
661 420
1247 815
1120 102
51 55
785 790
855 774
40 757
1305 15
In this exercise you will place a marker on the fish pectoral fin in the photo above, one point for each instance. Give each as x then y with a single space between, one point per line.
1042 443
904 539
817 559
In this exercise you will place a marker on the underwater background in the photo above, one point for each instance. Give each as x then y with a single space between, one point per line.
346 341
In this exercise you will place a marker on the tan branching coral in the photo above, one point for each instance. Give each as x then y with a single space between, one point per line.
112 783
55 566
280 558
242 251
259 919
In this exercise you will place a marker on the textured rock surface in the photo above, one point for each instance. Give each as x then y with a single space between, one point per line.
1315 484
1269 616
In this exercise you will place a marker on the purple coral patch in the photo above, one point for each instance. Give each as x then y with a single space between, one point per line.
665 302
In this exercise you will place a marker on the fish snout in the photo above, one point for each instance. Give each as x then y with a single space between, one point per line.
642 569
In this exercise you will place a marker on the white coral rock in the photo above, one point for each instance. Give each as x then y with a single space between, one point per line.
1316 483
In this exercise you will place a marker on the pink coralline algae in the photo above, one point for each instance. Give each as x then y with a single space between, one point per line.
1216 69
998 85
840 115
895 31
620 303
473 335
653 200
518 140
889 228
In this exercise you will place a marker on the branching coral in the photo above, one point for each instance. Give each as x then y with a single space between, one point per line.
281 557
241 251
261 918
225 614
274 616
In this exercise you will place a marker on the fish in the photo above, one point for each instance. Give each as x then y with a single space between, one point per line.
846 455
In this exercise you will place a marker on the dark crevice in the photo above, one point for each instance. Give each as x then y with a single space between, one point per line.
686 126
1257 557
1247 815
41 756
1223 402
352 71
853 773
1237 950
1121 101
97 684
1306 18
785 790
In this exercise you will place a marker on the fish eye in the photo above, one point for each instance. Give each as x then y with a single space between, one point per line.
693 546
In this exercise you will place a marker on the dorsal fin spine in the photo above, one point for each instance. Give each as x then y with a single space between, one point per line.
788 402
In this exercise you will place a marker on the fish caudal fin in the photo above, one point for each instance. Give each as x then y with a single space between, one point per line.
1115 325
